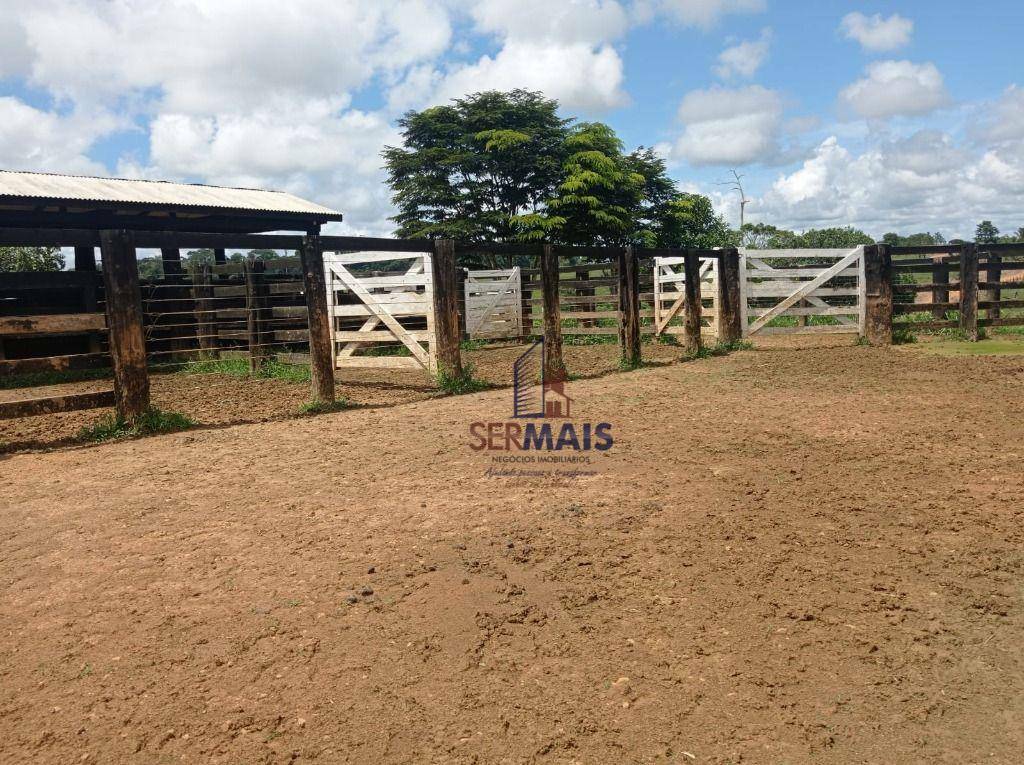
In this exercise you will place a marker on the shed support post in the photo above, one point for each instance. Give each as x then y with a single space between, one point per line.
255 307
969 291
220 256
445 286
878 294
124 323
205 310
729 297
554 365
692 305
85 258
321 323
629 308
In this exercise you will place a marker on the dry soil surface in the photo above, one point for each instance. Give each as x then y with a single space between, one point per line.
788 556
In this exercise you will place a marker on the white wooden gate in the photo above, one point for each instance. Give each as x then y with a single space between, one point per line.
670 295
494 304
371 309
803 284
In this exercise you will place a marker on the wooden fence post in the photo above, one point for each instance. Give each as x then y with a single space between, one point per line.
940 275
205 310
124 323
969 291
692 303
629 308
321 323
461 277
220 256
255 308
729 297
85 258
878 294
993 275
554 364
445 285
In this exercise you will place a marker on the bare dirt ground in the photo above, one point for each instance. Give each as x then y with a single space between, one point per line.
801 555
221 399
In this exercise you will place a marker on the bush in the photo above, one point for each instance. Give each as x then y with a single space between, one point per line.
322 407
456 385
150 422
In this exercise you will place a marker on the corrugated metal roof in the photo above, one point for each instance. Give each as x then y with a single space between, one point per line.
163 193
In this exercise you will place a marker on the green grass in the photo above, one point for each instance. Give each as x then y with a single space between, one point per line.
457 385
111 427
322 407
239 367
1001 346
902 336
718 349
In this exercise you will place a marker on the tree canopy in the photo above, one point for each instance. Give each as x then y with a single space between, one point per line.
763 236
505 167
31 259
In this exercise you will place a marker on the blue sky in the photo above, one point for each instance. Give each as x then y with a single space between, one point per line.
903 116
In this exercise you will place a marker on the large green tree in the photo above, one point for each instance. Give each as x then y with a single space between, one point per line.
465 170
986 233
31 259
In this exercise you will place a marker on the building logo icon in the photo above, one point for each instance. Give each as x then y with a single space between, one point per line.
532 395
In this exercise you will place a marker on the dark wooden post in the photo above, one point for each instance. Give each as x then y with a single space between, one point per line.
124 323
446 309
940 275
526 305
85 258
220 256
255 307
994 293
554 364
170 257
969 291
629 307
461 277
586 305
692 305
729 295
878 294
205 310
321 323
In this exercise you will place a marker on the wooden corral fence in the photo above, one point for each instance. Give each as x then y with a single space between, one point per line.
412 295
960 286
375 308
808 285
494 304
670 295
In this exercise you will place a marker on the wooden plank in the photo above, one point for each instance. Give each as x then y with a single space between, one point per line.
443 320
125 323
814 329
554 364
290 335
835 311
730 314
319 322
45 280
877 295
629 307
54 364
505 288
51 324
692 303
807 289
377 336
355 258
969 292
381 362
72 402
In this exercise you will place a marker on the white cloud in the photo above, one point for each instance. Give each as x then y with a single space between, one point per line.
33 139
892 88
1004 120
569 56
922 182
875 33
729 126
744 58
578 76
699 13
